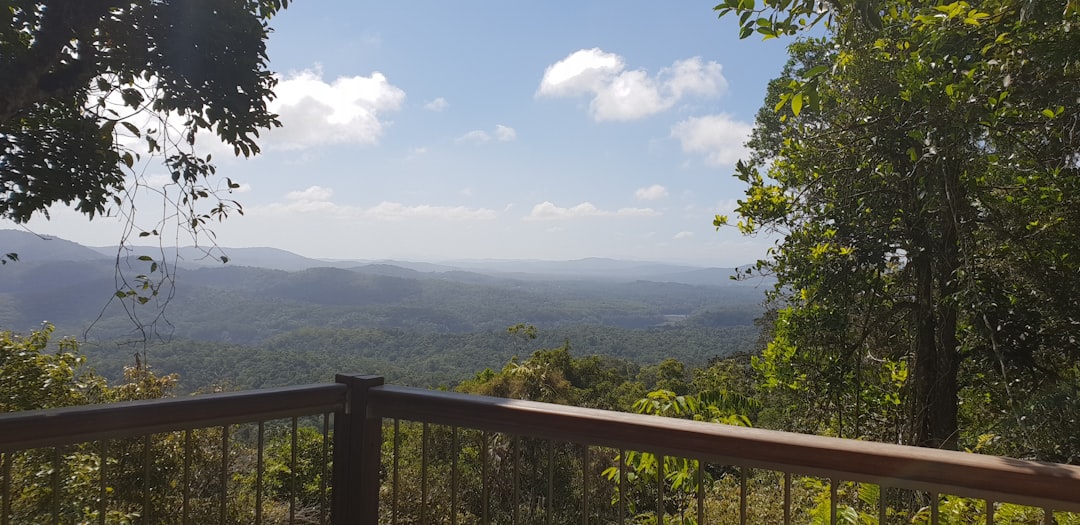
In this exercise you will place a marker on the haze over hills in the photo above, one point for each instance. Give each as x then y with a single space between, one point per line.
38 249
449 318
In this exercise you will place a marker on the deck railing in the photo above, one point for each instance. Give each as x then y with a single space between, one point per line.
365 456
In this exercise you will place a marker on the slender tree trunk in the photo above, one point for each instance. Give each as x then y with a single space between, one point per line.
937 358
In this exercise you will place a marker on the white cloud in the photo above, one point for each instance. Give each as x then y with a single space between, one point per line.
312 193
505 133
438 104
652 193
475 136
502 134
393 211
347 110
720 138
582 72
316 200
618 94
684 235
547 211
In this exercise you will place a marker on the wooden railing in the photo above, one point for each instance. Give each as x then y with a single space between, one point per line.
362 407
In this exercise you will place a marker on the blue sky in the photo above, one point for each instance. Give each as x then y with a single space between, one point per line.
501 130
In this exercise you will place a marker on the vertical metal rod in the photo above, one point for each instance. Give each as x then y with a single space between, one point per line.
550 483
1048 516
5 489
103 482
787 498
484 479
397 479
834 496
57 454
147 510
743 475
935 512
259 474
700 491
883 504
224 496
584 485
187 478
324 462
622 487
292 472
517 485
659 488
423 474
989 512
454 476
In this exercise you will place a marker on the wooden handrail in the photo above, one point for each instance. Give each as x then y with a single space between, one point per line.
946 472
65 426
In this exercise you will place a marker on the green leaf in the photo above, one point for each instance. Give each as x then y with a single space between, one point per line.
131 127
145 258
796 104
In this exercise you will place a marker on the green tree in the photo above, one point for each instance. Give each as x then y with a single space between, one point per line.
919 166
32 377
91 89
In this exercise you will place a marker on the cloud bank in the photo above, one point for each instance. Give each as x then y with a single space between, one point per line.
348 110
720 139
317 200
547 211
619 94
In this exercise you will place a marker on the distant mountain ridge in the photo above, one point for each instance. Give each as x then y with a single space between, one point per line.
37 249
286 313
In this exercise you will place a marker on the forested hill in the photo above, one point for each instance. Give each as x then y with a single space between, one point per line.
437 320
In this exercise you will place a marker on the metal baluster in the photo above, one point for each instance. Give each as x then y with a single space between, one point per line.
550 482
700 491
5 488
934 510
292 473
57 454
259 474
989 512
883 506
742 494
517 485
787 498
1048 516
397 479
147 509
324 463
622 487
484 479
585 485
454 476
223 512
187 478
834 489
659 488
423 474
103 481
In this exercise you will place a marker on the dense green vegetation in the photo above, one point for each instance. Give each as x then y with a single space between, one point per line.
919 165
918 161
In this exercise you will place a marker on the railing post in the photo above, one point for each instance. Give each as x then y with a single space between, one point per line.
357 448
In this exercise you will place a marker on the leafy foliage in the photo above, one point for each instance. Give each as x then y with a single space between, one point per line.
918 169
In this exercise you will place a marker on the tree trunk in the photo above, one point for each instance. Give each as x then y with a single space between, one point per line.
937 359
